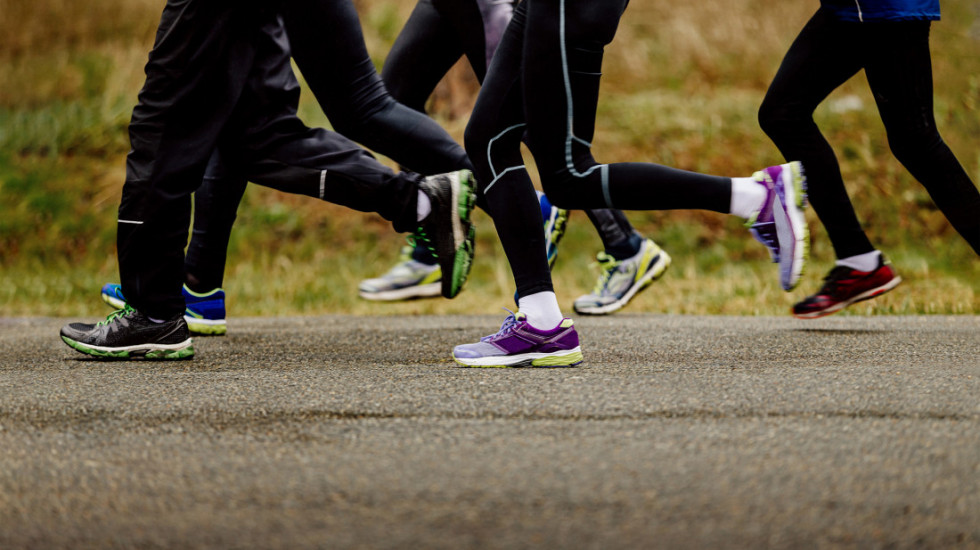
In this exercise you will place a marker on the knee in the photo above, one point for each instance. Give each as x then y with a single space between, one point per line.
359 116
562 189
772 116
474 139
914 141
777 116
486 142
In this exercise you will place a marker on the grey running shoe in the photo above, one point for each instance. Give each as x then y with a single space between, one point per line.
447 231
127 334
407 279
622 279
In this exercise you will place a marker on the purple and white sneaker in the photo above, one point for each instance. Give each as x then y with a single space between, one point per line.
780 223
518 344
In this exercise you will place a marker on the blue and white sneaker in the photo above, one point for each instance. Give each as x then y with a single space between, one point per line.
555 221
204 313
622 279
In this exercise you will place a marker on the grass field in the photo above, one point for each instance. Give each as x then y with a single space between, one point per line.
682 85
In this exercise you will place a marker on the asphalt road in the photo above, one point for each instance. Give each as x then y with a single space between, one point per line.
359 432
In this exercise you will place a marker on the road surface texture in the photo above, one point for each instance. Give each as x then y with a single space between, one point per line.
359 432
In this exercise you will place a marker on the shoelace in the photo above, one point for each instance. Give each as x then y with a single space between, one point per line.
116 314
509 323
420 237
834 279
608 264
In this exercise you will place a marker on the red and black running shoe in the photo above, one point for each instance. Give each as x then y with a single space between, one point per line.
844 286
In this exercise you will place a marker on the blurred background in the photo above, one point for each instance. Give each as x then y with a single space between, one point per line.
682 84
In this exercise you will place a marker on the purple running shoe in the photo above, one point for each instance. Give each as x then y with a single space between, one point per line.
780 223
518 344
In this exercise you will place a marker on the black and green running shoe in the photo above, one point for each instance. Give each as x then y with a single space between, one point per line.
128 334
447 231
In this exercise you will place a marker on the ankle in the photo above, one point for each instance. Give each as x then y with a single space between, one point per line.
542 310
626 248
748 197
869 261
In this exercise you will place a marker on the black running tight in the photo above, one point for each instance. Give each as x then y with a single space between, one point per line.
544 81
895 57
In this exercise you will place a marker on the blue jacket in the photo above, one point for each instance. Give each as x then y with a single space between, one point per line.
883 10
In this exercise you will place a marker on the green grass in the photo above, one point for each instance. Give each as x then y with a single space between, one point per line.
679 89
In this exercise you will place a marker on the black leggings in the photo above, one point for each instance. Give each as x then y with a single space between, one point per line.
553 50
356 102
895 57
206 89
436 35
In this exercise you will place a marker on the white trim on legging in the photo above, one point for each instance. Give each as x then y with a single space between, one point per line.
570 133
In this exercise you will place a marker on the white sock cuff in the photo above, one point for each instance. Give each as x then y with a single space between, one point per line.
542 310
862 262
424 207
747 197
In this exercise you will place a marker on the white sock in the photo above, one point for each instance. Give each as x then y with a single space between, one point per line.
747 197
541 309
157 321
862 262
424 207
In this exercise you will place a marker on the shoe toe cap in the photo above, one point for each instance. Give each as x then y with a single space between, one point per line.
476 351
76 331
371 285
465 352
592 301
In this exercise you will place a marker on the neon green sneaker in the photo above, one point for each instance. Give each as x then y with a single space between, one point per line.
447 231
128 334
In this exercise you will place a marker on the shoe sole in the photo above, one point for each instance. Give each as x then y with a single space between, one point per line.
569 358
206 327
791 227
463 232
169 352
656 271
873 293
418 291
200 327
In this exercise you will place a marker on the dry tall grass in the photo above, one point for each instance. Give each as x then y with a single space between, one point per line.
682 82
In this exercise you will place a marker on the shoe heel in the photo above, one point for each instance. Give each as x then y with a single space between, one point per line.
799 184
467 198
